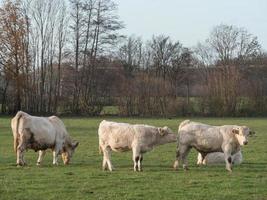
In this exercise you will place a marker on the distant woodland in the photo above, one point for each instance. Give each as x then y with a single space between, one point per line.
69 57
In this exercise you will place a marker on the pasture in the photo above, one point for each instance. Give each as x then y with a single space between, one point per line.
84 178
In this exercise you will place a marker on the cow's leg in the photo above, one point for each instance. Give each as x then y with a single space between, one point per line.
181 156
56 151
203 158
184 153
107 155
228 160
136 158
140 163
41 157
20 151
55 157
176 162
204 161
227 149
199 159
104 163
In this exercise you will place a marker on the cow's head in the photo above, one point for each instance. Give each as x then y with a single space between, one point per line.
166 135
241 133
164 130
68 151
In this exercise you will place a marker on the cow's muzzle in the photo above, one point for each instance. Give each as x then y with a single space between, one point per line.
245 143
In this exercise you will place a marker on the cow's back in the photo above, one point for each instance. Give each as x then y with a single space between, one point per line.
36 133
41 130
119 136
59 127
201 136
197 130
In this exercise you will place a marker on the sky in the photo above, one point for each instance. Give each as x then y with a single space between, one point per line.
191 21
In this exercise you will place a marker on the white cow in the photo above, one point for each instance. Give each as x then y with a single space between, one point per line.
207 139
218 158
39 134
139 138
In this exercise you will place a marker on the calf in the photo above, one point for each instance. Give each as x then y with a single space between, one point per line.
121 137
218 158
207 139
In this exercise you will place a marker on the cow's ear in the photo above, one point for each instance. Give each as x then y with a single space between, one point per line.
166 128
75 144
235 131
251 133
161 131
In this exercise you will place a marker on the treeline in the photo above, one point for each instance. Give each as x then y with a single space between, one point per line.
68 57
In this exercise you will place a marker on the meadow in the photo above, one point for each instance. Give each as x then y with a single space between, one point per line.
84 178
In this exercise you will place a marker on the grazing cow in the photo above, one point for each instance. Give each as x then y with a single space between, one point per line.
207 139
39 134
121 137
218 158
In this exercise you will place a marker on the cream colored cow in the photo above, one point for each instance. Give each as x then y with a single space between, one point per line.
39 134
139 138
207 139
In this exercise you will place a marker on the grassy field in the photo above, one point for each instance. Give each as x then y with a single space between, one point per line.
84 179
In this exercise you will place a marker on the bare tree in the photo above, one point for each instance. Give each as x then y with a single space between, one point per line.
44 14
230 42
76 26
164 52
13 47
130 53
61 42
102 24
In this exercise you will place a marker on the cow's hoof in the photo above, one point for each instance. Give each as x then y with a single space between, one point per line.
175 165
110 169
38 163
201 163
229 170
104 169
20 164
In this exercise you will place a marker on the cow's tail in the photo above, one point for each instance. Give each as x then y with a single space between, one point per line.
16 135
99 137
100 149
183 123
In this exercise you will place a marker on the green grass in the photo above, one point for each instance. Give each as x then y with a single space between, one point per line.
84 179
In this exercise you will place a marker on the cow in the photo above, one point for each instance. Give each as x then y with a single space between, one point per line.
139 138
40 134
218 158
207 139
